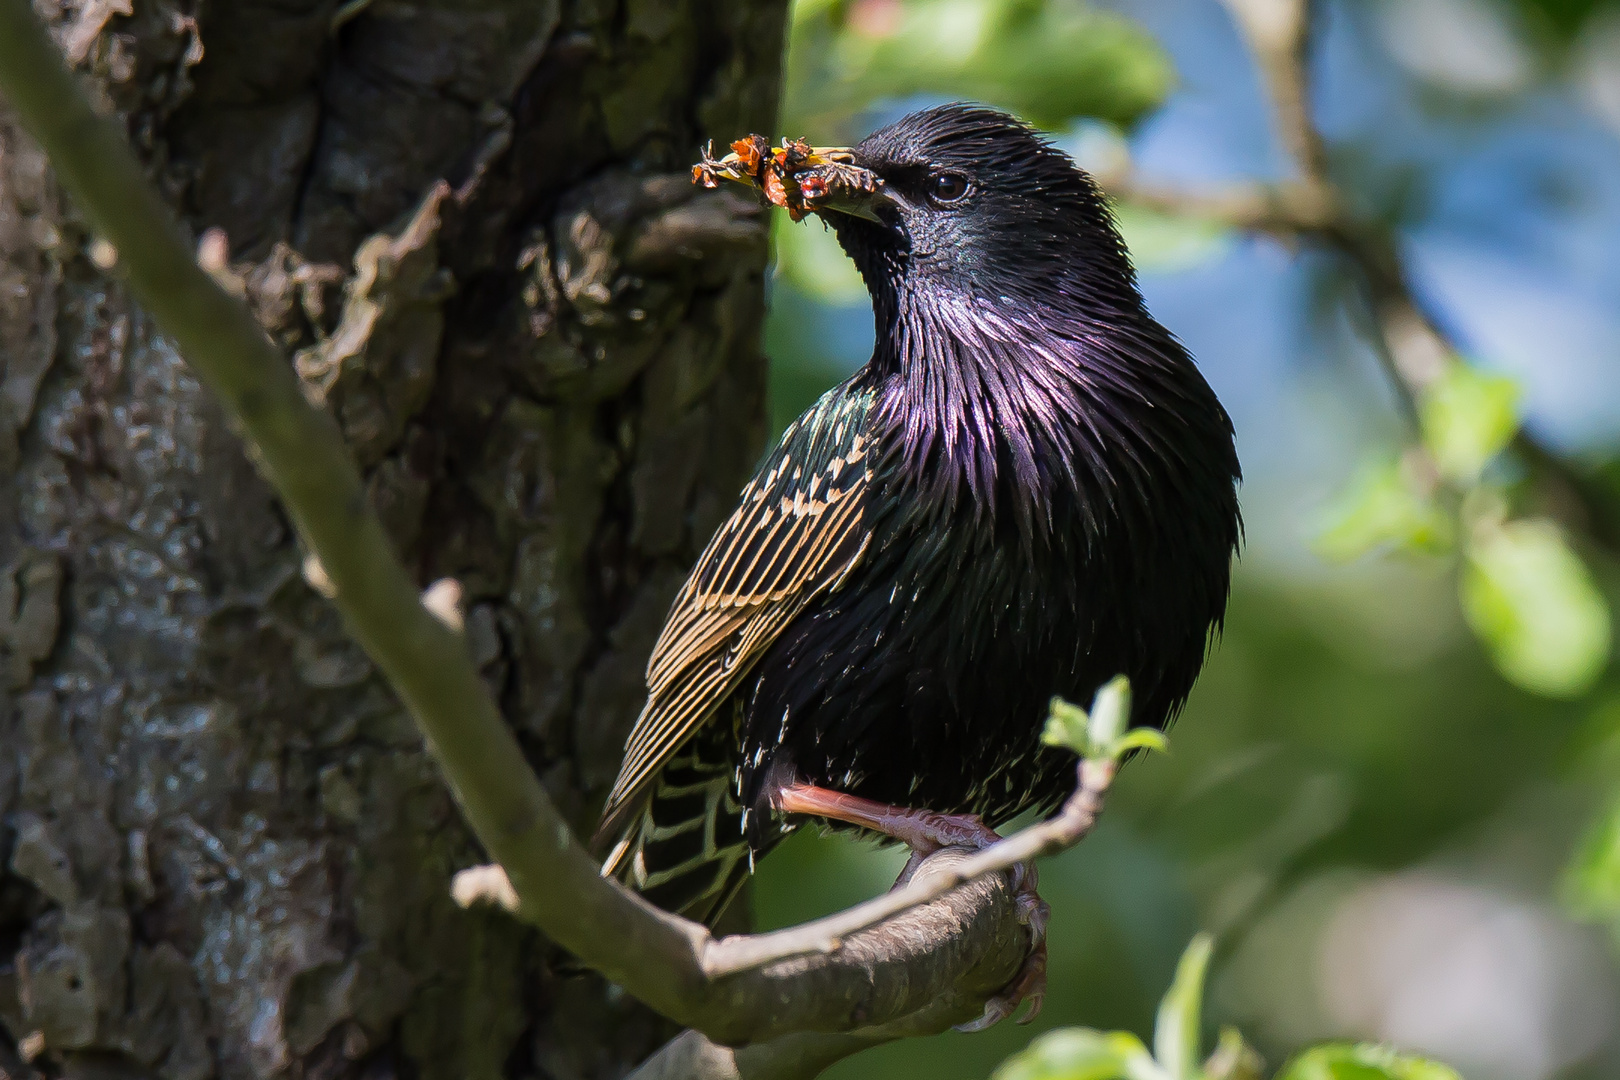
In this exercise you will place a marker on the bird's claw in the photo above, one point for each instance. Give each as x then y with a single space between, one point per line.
927 832
1033 913
1029 985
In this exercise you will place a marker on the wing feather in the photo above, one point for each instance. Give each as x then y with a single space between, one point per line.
798 529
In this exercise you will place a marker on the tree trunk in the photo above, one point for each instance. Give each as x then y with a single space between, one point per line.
225 850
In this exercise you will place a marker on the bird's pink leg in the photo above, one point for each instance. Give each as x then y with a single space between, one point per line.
925 832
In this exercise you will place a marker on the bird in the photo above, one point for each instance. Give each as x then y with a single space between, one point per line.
1028 489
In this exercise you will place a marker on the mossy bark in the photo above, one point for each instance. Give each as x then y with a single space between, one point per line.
225 851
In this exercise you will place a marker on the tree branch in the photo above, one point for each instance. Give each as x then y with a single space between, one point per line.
690 1056
919 960
802 1055
1278 33
1285 210
1069 827
1410 346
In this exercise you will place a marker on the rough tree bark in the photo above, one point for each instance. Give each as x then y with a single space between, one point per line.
225 850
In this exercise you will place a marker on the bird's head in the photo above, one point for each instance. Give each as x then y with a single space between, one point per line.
974 202
957 200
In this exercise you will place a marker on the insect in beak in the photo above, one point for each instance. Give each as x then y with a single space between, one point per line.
798 177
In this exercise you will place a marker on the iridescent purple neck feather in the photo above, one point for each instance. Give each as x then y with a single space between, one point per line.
1019 370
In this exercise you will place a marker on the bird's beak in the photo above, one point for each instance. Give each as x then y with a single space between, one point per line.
845 187
799 177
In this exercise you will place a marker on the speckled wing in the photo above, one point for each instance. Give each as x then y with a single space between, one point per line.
797 530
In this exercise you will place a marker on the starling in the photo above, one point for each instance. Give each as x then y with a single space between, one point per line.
1027 490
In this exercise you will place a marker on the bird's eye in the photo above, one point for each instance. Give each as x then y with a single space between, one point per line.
948 187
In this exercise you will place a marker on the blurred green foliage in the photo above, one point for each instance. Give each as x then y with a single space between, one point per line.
1362 1061
1160 243
1561 20
1088 1054
1047 60
1468 417
809 260
1177 1028
1534 604
1384 508
1592 883
1524 591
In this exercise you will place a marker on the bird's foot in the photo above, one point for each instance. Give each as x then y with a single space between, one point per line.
1029 985
926 832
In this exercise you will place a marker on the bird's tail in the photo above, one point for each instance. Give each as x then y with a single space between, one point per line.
685 850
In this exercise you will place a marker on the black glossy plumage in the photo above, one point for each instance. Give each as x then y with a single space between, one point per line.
1028 489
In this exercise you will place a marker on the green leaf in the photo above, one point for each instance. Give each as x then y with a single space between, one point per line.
1166 243
1382 508
1082 1054
1591 884
1534 604
1110 715
1100 733
1047 60
1067 724
1176 1032
1140 738
1468 417
1362 1061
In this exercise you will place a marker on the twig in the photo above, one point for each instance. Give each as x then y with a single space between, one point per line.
1056 834
802 1056
1279 32
1285 210
728 956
